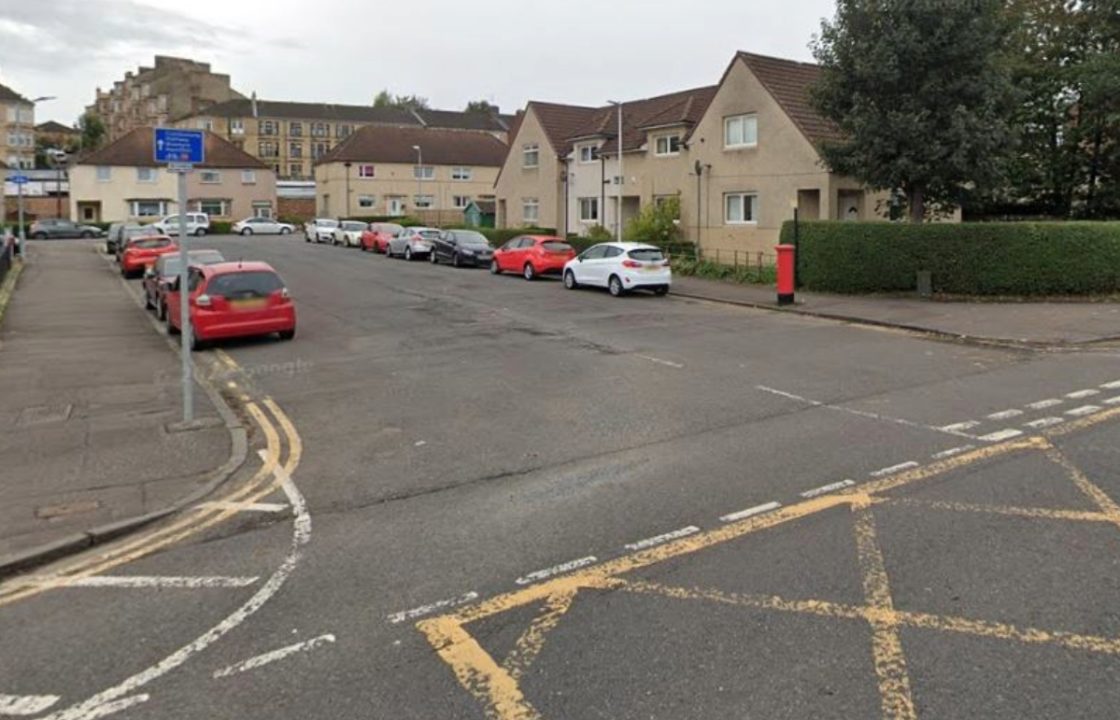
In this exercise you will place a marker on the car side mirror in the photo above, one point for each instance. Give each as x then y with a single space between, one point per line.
174 285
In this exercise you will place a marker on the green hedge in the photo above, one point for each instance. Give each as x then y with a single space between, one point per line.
220 227
1058 258
402 221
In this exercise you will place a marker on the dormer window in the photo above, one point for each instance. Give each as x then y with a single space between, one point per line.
665 145
588 153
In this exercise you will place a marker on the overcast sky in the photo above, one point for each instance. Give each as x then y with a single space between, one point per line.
344 51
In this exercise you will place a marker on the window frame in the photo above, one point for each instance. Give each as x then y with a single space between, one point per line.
585 218
455 201
742 117
146 175
424 173
591 154
248 177
742 195
535 204
107 175
215 177
367 171
462 173
362 201
431 202
528 149
669 151
236 126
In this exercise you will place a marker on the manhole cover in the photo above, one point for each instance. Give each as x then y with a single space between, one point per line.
43 414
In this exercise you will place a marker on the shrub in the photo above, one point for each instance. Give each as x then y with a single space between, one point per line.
598 233
402 221
657 224
220 227
1058 258
686 264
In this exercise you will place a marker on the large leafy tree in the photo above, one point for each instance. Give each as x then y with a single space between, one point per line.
920 94
1095 77
406 102
93 131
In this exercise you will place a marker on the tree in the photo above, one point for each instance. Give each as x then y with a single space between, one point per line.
919 94
657 224
93 131
481 106
404 102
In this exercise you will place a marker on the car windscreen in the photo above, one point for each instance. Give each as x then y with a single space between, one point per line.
429 234
353 226
647 255
131 231
170 263
555 246
471 238
244 284
388 228
146 243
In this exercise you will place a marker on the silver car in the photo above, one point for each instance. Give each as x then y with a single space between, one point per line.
413 242
261 226
319 230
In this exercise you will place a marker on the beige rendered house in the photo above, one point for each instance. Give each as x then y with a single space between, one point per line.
122 182
427 173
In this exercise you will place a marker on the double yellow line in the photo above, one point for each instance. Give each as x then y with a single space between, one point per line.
273 423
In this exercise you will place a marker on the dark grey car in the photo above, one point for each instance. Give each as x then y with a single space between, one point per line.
462 247
61 229
119 233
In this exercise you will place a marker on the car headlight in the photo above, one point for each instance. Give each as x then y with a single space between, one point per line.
467 251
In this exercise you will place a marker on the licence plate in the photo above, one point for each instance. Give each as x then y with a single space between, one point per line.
255 304
654 268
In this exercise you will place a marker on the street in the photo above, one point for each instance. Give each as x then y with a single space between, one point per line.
471 496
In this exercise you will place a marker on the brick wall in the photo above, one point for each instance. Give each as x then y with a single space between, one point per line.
300 209
36 207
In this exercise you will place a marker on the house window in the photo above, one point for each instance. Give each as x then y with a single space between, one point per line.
104 173
268 149
295 171
262 209
462 173
295 129
740 131
342 131
530 210
237 127
210 176
589 210
423 172
267 127
212 207
460 201
205 124
366 201
740 208
145 175
588 154
531 156
295 149
365 171
148 208
319 149
320 129
248 177
667 145
423 201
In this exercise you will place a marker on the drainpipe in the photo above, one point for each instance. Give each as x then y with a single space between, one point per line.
603 185
567 189
699 171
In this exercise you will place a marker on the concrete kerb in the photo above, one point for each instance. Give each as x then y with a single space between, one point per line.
15 563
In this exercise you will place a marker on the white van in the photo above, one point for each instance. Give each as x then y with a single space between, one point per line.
197 224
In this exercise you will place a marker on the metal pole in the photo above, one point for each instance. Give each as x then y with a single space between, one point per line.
419 179
621 180
57 188
22 230
184 301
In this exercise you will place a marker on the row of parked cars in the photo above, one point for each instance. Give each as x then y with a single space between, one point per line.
620 267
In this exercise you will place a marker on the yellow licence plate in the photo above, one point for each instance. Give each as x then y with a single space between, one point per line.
654 268
248 304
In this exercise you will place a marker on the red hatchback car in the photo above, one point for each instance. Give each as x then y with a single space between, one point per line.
532 255
233 299
376 238
142 252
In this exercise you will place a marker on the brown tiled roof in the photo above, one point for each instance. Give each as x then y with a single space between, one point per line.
9 95
393 144
136 150
456 120
562 122
789 82
312 111
57 128
685 107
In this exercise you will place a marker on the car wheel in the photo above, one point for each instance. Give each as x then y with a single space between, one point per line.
287 334
200 232
306 237
247 231
570 280
661 290
39 236
171 329
495 268
455 261
86 235
284 231
614 286
529 271
408 253
194 342
432 258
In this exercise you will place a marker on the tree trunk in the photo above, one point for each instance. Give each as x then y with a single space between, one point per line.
1094 171
917 198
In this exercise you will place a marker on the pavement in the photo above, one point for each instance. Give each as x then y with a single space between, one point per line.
1038 323
481 497
88 391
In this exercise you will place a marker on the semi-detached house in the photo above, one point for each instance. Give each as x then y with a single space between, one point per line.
740 156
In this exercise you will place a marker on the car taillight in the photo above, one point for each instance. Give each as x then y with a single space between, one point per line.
631 264
202 301
665 263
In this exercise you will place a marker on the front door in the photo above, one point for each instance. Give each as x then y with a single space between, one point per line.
396 206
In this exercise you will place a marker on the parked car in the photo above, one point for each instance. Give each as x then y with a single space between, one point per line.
377 237
412 242
130 231
158 277
57 228
319 230
261 226
232 299
142 252
197 224
462 247
532 255
620 267
349 233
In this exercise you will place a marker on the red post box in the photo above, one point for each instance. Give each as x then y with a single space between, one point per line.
786 260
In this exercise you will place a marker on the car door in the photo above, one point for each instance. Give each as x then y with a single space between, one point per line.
585 268
612 256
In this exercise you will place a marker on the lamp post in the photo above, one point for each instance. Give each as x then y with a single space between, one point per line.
621 175
419 176
346 213
22 230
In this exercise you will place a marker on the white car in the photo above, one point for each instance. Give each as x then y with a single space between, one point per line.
412 242
261 226
349 233
320 230
620 267
197 224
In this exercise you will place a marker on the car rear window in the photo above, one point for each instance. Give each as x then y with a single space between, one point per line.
556 246
327 223
353 226
245 284
647 255
150 243
388 228
429 234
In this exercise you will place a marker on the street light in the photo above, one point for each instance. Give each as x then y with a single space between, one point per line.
347 166
22 229
58 157
621 175
419 176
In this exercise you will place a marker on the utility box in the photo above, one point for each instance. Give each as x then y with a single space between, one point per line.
925 284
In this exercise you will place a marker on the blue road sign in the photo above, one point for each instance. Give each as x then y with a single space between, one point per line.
179 146
19 179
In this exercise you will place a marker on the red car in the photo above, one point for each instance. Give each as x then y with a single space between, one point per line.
376 238
532 255
142 252
233 299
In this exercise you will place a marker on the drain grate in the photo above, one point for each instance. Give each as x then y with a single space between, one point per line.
43 414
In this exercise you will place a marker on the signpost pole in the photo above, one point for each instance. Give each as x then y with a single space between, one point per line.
184 302
22 229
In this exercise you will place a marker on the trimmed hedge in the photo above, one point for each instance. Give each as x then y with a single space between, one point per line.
1037 258
403 221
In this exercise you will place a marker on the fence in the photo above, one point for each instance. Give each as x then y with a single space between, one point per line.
7 249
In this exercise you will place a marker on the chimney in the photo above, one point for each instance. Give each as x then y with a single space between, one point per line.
254 100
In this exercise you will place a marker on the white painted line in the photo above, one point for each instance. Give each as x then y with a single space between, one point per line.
1114 385
660 539
112 708
272 656
1082 411
659 361
423 610
557 570
153 581
1002 435
960 427
1005 415
243 507
12 705
826 489
951 452
750 512
894 468
1045 422
1081 394
1113 401
1043 404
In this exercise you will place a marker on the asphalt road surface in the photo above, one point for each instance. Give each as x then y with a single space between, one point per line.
481 497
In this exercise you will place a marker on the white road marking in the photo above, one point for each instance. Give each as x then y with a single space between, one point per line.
1081 394
423 610
12 705
751 512
1002 435
659 361
557 570
243 506
659 539
1114 385
960 427
272 656
1113 401
953 451
951 430
1084 410
1045 423
93 707
1043 404
1005 415
825 489
156 581
894 468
